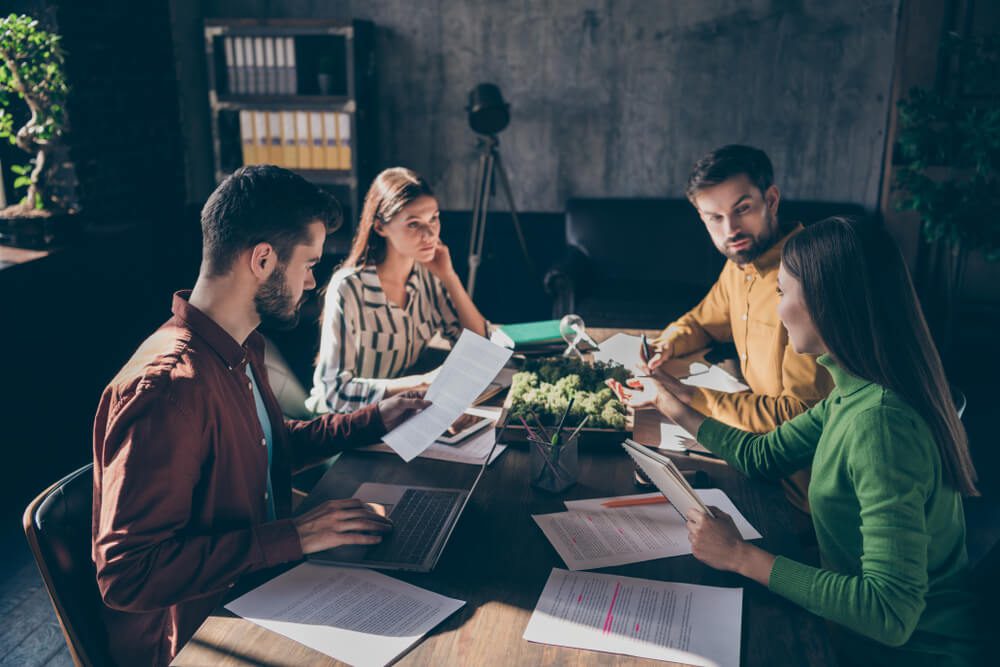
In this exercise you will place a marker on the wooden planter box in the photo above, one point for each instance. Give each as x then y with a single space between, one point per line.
589 438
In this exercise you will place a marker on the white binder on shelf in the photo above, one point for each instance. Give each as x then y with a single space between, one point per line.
260 71
291 83
270 73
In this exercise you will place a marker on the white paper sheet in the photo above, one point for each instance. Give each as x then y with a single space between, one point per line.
590 536
624 349
688 623
473 363
358 616
473 450
714 377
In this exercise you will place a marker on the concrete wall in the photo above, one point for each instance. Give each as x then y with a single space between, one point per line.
619 98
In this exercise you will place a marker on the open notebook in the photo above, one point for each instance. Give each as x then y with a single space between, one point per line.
666 476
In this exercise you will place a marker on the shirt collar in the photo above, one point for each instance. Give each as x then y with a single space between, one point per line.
847 383
232 353
769 261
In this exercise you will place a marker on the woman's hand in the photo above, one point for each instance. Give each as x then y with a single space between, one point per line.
647 392
715 541
440 266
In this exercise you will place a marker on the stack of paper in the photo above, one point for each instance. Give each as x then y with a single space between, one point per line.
687 623
354 615
591 535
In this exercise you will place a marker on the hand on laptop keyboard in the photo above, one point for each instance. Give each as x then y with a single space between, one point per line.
337 523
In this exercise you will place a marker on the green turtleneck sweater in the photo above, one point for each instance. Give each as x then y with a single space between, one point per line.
891 531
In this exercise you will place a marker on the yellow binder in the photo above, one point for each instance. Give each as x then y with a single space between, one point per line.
289 148
344 141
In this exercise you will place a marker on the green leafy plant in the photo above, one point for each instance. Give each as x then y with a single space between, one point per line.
545 387
31 70
948 149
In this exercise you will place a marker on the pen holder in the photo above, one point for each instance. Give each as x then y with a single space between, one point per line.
554 468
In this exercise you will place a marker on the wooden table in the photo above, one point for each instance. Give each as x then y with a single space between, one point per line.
498 561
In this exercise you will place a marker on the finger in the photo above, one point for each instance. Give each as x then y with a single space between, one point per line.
341 504
358 538
361 525
354 514
655 362
695 514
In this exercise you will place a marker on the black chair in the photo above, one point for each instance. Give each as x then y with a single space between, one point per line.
643 262
58 526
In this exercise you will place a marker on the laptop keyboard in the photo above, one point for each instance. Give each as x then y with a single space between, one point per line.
417 519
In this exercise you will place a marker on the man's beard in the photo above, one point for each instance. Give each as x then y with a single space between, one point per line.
758 245
274 304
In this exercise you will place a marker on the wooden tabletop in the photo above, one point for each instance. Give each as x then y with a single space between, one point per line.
498 562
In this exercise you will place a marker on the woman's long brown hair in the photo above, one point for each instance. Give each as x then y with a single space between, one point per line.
861 299
391 190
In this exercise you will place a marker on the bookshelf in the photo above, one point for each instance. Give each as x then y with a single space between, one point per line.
298 93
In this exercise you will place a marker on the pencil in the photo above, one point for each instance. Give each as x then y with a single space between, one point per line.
633 502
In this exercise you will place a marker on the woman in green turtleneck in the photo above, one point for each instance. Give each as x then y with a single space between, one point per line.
889 459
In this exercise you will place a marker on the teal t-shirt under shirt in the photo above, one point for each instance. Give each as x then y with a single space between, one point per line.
265 426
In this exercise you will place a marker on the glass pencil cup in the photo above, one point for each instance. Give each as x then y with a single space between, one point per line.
554 468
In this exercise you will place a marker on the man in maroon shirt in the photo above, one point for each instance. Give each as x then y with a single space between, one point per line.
192 456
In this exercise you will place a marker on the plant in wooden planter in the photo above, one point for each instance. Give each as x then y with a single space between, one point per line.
31 72
948 167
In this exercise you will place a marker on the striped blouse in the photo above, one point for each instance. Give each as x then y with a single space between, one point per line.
366 339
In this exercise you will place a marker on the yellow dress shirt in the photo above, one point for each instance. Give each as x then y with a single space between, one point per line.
742 308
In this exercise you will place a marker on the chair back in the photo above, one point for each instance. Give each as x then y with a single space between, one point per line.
58 526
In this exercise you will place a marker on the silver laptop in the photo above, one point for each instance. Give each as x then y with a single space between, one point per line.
423 519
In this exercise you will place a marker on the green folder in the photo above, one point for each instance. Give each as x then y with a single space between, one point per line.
532 333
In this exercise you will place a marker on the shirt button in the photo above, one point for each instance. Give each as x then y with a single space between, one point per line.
250 386
263 442
743 317
743 356
265 495
749 277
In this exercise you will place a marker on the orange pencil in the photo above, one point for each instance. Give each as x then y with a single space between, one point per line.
632 502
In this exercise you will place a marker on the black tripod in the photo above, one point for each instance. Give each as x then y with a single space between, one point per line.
489 161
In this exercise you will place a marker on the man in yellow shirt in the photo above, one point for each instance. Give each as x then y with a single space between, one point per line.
733 189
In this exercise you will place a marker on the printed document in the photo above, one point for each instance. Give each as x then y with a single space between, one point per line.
590 535
473 450
473 363
662 620
357 616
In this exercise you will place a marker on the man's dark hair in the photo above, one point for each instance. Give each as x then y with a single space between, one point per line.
729 161
262 204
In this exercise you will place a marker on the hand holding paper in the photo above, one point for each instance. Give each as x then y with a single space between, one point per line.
468 370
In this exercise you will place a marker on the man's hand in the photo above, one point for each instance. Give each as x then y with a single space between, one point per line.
399 408
662 349
337 523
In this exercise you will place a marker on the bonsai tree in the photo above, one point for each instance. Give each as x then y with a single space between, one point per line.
31 70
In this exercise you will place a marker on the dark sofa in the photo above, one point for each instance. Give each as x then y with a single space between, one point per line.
643 262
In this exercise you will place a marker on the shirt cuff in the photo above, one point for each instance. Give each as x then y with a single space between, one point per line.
279 542
792 580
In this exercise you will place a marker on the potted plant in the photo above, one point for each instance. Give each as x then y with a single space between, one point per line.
31 72
948 171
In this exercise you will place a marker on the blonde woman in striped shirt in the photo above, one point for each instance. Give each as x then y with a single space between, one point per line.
395 290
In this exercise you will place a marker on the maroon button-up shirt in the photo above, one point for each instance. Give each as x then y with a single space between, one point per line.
180 476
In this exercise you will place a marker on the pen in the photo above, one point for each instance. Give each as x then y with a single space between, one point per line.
645 347
633 502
